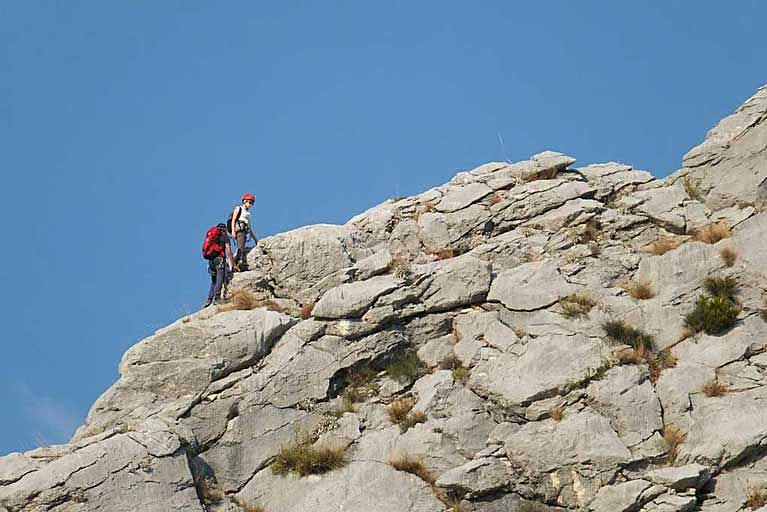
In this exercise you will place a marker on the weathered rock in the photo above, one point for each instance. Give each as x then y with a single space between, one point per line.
691 476
479 476
370 486
624 497
456 282
550 365
528 287
353 299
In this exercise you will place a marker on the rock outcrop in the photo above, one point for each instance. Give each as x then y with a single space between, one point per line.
521 338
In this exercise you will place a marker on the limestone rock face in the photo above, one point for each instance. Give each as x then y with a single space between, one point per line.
515 339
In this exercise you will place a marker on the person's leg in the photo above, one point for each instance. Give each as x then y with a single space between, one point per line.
218 281
240 256
212 288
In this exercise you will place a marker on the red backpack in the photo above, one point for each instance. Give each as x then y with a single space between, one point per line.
212 247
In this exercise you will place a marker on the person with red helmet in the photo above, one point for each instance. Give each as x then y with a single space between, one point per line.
239 225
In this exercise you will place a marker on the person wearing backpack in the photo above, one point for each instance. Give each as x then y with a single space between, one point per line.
239 226
217 249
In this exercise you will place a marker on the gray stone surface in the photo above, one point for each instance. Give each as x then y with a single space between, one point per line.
528 287
353 299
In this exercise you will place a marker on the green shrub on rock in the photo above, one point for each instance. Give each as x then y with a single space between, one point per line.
620 332
712 315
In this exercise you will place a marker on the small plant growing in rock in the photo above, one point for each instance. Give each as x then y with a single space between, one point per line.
303 458
461 374
400 267
673 437
756 498
557 413
494 199
399 409
631 356
209 491
713 315
306 310
407 366
640 290
450 362
620 332
729 256
712 233
247 506
576 305
692 187
412 465
662 246
715 388
411 420
589 232
241 299
444 254
725 287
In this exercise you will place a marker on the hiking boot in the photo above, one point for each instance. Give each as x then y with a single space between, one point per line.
207 303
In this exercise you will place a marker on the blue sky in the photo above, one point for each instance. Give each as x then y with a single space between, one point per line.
128 128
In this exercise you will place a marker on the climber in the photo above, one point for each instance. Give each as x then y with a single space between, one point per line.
217 249
239 225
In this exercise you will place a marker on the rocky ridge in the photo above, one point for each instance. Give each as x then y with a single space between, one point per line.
481 307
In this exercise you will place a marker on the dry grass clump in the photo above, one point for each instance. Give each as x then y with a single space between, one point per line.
247 506
241 299
412 465
303 458
712 233
576 305
715 388
756 499
412 419
728 255
494 199
662 246
450 362
620 332
589 232
692 187
444 254
673 437
399 409
400 267
209 491
557 413
632 356
664 360
640 290
306 310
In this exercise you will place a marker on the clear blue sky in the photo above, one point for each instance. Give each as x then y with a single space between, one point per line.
128 128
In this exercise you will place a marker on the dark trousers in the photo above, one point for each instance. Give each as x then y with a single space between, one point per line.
217 271
241 237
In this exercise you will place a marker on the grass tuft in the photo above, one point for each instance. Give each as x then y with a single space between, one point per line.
241 299
444 254
692 187
247 506
557 413
712 233
728 255
209 491
673 437
756 499
713 315
412 465
576 305
715 388
399 409
461 375
640 290
450 362
725 287
400 267
662 246
494 199
303 458
620 332
405 367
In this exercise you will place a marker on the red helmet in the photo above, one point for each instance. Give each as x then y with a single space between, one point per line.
249 197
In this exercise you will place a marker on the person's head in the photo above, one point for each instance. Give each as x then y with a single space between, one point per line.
221 227
248 200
